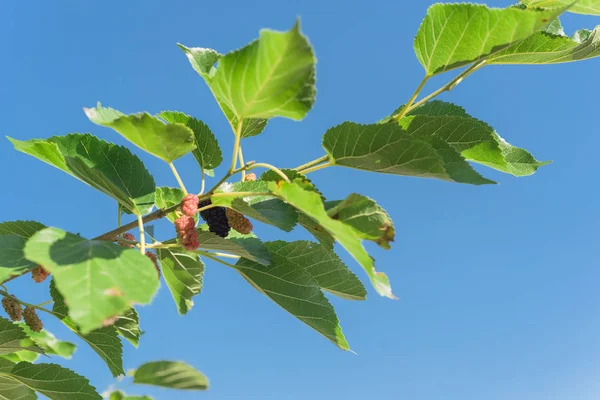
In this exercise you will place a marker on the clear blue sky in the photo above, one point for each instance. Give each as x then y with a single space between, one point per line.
498 285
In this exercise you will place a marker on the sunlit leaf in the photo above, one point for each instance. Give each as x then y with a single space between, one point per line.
128 326
165 141
170 374
183 272
112 169
14 338
453 35
98 279
590 7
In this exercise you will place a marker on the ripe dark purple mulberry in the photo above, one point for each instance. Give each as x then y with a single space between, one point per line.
216 218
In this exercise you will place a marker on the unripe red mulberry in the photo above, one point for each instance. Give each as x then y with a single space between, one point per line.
186 232
189 205
238 222
39 274
128 236
152 257
12 308
250 177
32 320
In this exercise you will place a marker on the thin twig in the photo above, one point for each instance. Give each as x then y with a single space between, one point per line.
312 163
142 235
179 181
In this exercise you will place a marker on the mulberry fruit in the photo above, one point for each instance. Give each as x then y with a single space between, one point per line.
128 236
152 257
250 177
186 232
216 218
238 222
32 320
189 205
39 274
12 308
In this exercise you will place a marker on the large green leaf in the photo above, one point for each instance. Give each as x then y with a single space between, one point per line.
165 141
453 35
551 47
53 381
11 389
128 326
183 273
291 286
170 374
12 259
316 230
112 169
98 279
47 341
272 76
207 151
474 139
326 268
590 7
310 203
14 338
265 208
387 148
104 341
24 229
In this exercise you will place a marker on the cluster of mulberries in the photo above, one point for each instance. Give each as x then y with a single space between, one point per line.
189 205
32 320
12 308
250 177
39 274
152 257
216 218
238 222
186 232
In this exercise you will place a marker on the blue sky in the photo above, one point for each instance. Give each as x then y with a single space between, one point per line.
497 284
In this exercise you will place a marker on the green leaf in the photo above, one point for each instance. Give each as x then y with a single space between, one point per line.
104 341
316 230
24 229
273 76
551 48
207 151
453 35
11 389
12 259
170 374
389 149
167 197
47 341
54 381
590 7
165 141
99 280
370 221
326 268
118 395
13 338
112 169
128 326
265 208
293 288
474 139
183 273
310 203
19 356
